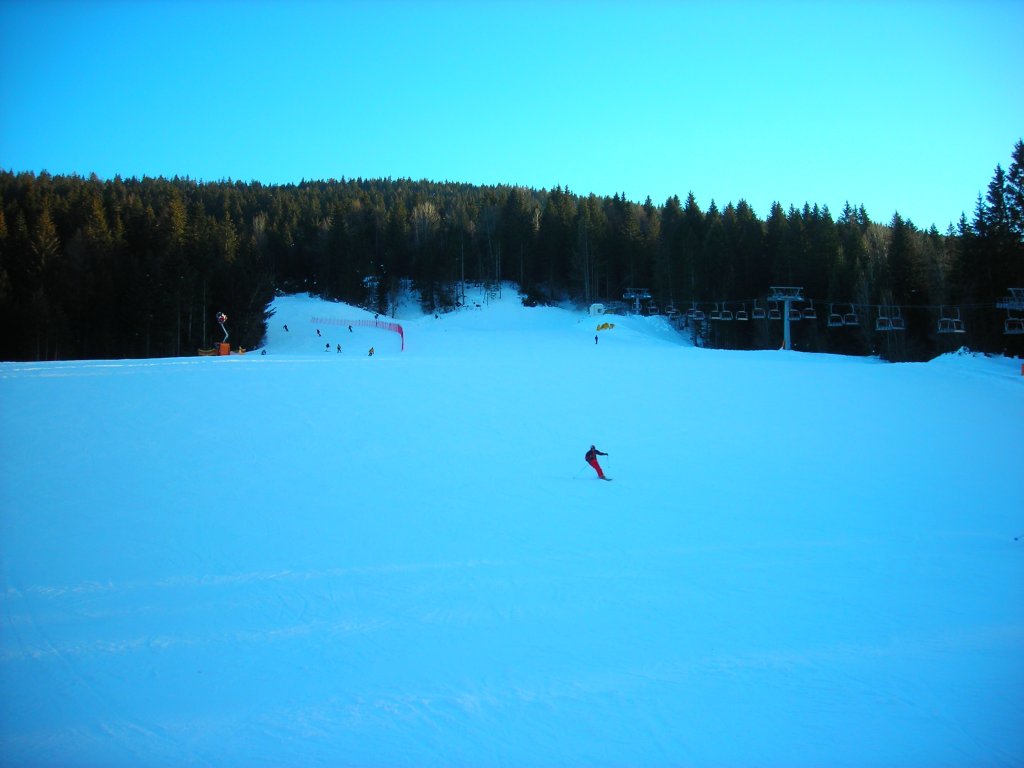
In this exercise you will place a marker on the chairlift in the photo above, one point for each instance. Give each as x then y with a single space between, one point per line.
795 314
850 318
758 312
835 320
716 313
950 323
774 313
1013 326
809 313
726 313
695 314
883 323
898 323
1014 301
741 314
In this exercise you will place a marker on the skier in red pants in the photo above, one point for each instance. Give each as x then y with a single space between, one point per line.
591 458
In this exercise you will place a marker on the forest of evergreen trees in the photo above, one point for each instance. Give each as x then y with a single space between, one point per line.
139 267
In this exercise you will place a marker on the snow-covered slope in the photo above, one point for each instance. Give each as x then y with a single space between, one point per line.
313 558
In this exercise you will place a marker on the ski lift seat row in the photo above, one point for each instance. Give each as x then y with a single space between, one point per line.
889 319
721 314
950 323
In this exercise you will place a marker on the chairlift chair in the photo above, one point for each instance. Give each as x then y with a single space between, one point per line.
883 323
949 323
774 313
850 318
835 320
898 323
809 313
726 313
716 313
795 314
741 314
758 313
1013 325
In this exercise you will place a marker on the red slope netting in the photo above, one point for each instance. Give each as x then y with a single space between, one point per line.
382 324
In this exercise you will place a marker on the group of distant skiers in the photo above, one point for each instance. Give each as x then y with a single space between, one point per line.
327 346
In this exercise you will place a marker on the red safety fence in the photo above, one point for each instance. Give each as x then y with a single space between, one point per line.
383 325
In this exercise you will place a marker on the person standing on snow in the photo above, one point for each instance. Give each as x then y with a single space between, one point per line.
591 459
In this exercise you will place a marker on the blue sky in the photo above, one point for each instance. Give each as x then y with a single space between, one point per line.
891 105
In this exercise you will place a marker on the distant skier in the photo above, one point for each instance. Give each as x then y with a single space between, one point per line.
595 338
591 459
327 347
339 349
317 331
286 328
371 352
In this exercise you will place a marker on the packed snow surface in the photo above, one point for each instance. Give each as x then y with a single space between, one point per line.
323 558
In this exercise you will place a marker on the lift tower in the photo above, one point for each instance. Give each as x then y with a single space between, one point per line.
787 295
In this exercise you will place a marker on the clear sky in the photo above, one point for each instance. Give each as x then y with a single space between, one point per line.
902 106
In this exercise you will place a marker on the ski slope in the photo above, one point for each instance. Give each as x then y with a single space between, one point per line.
330 559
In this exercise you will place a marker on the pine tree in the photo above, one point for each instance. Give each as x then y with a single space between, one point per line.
1014 193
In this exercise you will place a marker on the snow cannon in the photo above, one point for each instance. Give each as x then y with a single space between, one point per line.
224 347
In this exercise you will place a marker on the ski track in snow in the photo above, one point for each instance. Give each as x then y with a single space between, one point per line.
805 560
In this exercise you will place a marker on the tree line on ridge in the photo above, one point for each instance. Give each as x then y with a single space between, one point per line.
118 268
